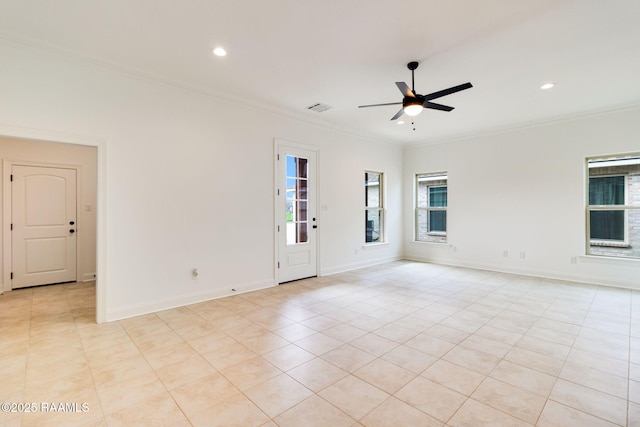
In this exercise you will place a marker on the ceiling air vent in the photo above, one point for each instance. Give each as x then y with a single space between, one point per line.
318 107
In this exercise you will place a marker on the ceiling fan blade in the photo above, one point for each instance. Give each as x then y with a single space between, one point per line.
406 91
380 105
398 114
435 106
446 92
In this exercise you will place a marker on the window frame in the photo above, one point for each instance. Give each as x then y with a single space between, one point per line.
431 208
431 176
379 208
618 164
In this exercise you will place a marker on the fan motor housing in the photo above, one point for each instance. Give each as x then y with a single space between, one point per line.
410 100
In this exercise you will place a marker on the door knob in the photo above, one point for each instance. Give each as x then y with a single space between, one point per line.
72 231
71 222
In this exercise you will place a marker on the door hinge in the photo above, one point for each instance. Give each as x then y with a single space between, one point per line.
11 226
11 178
278 191
278 267
278 229
278 155
12 275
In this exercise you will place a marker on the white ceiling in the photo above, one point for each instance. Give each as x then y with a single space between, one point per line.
285 55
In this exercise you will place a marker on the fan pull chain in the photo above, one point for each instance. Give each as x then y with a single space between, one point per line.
413 124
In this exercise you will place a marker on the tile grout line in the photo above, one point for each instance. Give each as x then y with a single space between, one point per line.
565 362
556 377
93 381
469 397
405 288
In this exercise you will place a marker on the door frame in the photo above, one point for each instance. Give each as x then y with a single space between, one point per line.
277 143
7 212
101 203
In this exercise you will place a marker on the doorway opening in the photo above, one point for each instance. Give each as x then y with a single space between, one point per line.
49 215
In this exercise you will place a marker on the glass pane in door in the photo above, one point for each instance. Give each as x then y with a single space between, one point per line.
296 194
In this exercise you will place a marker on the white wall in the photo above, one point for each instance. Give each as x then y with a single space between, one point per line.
184 174
523 191
343 193
23 151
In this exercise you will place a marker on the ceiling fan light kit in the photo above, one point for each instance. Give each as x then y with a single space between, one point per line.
413 103
219 51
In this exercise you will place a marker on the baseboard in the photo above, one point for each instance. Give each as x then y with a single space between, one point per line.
87 277
532 273
182 300
356 266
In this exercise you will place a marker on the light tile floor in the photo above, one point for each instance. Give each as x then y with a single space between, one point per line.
401 344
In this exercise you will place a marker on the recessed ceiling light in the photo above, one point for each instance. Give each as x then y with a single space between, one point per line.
219 51
547 86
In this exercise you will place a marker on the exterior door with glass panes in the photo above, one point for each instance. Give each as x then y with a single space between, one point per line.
297 218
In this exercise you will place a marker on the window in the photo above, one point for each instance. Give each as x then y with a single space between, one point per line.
613 206
431 207
374 207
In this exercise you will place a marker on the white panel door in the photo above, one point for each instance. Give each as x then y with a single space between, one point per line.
297 218
43 221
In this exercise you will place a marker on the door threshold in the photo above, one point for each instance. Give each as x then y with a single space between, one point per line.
297 280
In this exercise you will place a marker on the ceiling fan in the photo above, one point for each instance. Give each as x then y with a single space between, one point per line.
413 103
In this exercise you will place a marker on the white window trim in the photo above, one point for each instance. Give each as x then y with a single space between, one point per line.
427 177
435 208
381 194
374 245
605 161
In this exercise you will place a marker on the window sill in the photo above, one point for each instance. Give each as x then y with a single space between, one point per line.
374 245
609 244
